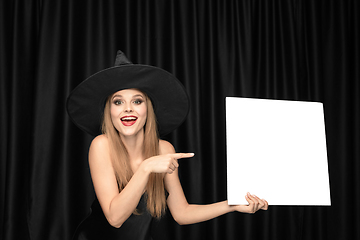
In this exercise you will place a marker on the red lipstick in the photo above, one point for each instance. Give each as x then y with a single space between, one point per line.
128 120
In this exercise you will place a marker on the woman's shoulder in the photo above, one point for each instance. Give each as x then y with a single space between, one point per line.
99 149
100 141
165 147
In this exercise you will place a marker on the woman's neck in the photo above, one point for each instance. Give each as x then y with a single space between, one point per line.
134 145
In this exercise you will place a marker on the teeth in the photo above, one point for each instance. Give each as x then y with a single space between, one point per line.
128 119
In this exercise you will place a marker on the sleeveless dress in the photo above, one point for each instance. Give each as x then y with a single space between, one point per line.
96 227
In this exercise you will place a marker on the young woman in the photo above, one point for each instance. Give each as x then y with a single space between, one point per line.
134 173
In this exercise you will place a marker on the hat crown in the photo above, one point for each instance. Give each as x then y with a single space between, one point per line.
121 59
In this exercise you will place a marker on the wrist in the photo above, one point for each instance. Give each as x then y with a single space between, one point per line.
144 168
232 208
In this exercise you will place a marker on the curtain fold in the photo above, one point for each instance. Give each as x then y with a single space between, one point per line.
293 49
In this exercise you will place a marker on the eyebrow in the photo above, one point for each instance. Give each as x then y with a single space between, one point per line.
135 96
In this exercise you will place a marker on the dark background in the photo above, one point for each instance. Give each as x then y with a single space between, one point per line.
293 49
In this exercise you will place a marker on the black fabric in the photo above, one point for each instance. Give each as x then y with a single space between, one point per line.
289 49
95 226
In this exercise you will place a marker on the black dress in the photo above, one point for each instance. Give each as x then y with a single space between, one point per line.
96 227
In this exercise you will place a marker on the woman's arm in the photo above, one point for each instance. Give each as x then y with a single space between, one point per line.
117 207
184 213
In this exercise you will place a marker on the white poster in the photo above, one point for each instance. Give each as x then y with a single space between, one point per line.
276 149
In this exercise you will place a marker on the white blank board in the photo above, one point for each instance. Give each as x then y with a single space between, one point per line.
276 149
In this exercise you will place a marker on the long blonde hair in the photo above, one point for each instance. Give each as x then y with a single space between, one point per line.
155 189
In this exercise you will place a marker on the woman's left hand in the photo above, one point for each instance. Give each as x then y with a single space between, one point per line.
255 204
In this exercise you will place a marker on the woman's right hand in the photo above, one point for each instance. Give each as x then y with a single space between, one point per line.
166 163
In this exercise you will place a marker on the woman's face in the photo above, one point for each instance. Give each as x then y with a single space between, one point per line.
128 112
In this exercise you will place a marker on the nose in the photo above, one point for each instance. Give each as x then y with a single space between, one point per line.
128 108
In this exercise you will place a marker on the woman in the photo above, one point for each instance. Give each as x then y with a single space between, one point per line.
134 173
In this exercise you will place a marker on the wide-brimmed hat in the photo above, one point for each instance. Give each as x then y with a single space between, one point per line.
85 104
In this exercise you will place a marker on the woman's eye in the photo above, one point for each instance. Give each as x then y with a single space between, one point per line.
138 101
117 102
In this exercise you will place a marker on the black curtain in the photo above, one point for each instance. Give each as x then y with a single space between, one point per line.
293 49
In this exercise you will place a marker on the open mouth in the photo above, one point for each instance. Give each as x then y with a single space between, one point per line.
128 120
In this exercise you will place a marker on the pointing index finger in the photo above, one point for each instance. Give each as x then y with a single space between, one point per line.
183 155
